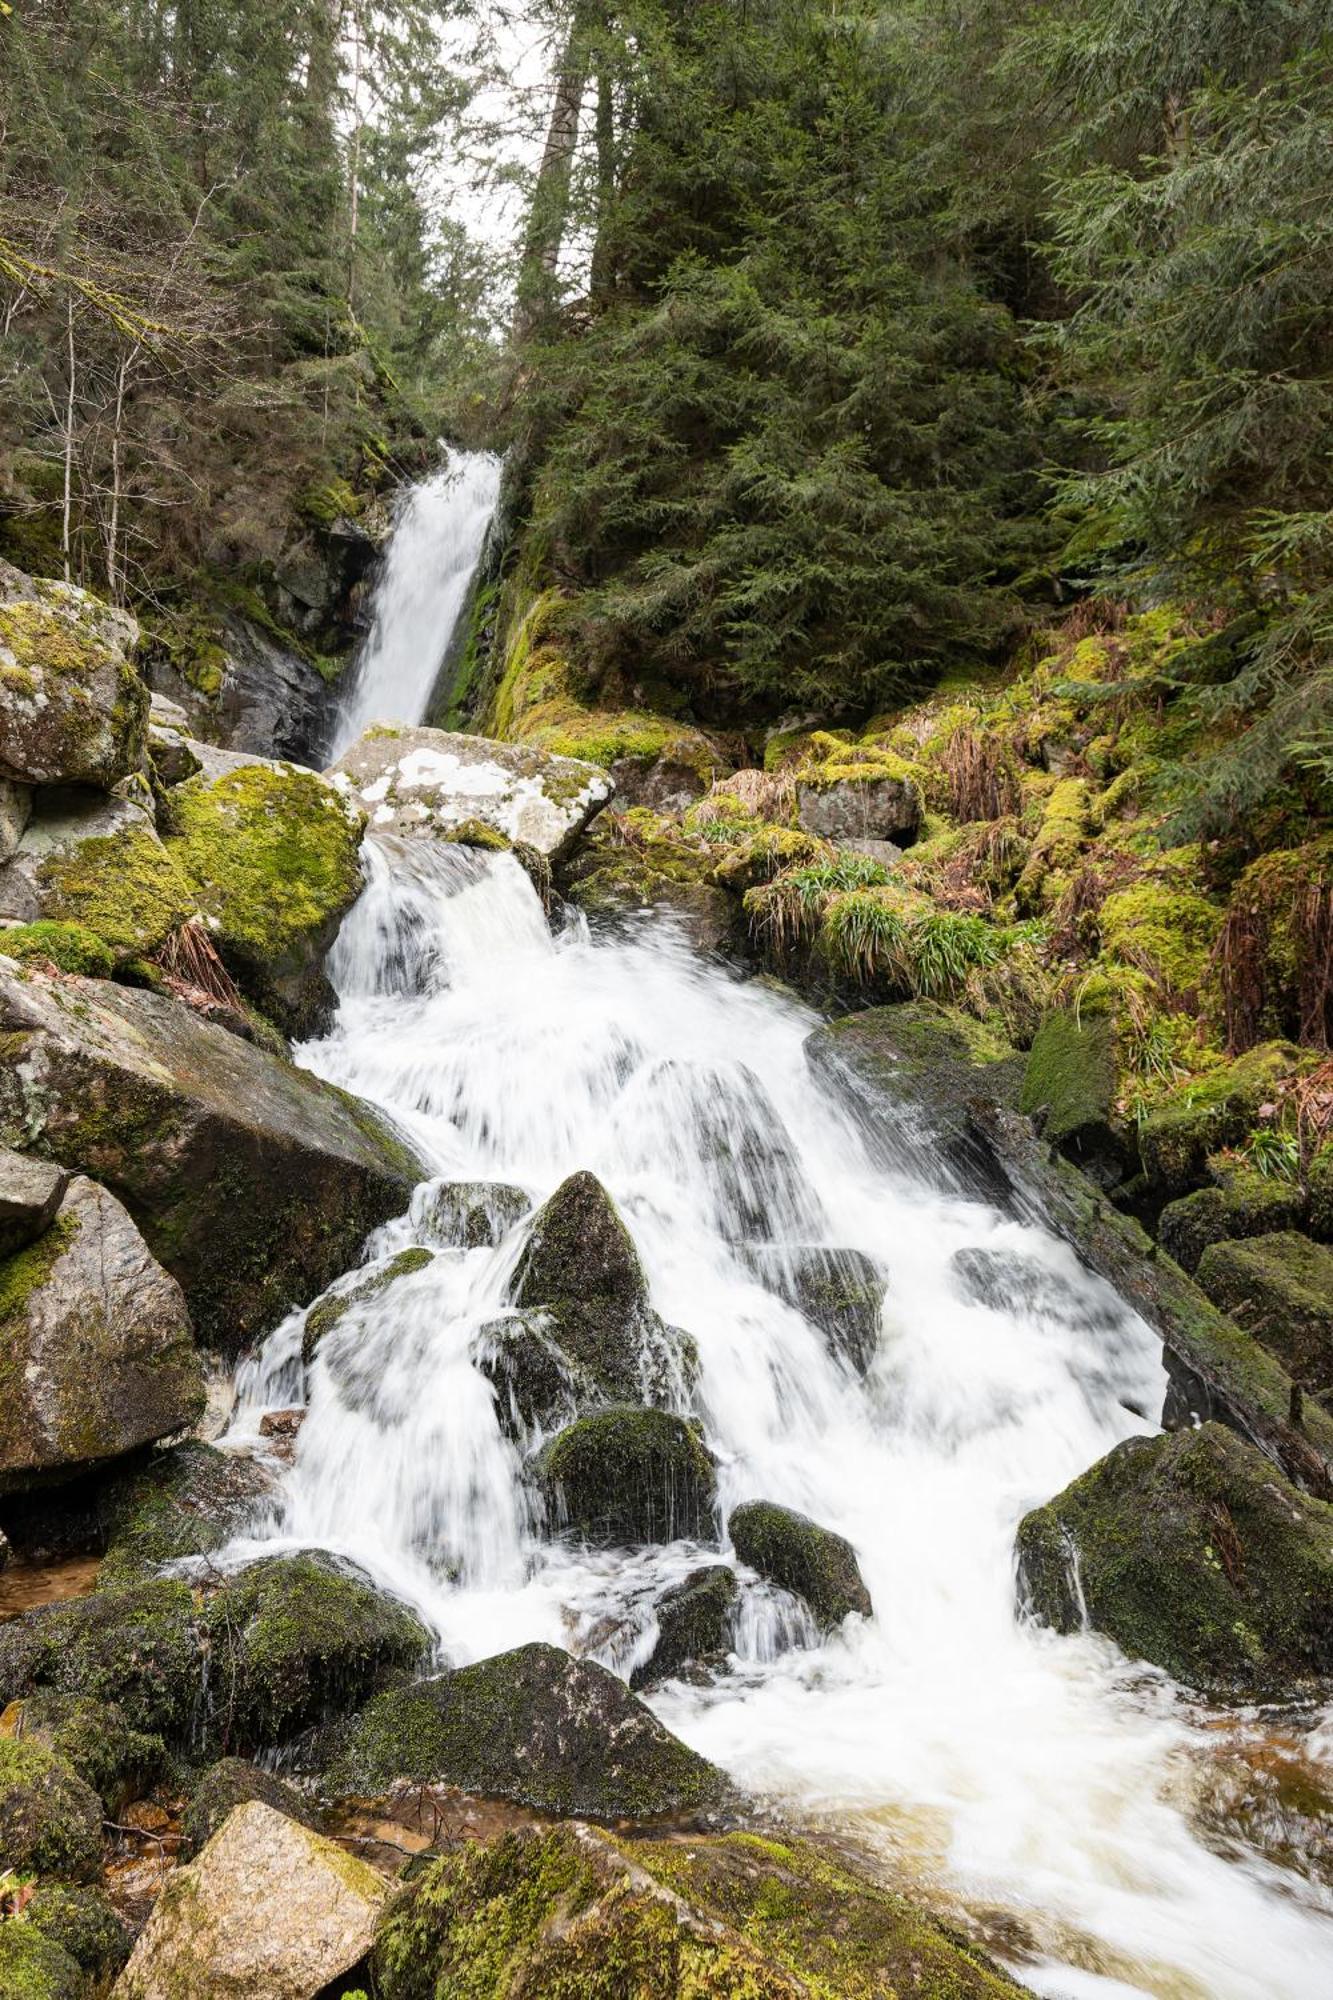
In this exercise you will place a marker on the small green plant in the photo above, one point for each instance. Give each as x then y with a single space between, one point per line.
1275 1155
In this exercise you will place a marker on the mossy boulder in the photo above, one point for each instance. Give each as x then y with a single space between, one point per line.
35 1967
536 1384
95 1738
1279 1287
572 1911
1062 834
97 866
50 1820
839 1291
83 1923
1193 1552
268 1911
351 1302
534 1725
637 861
693 1625
233 1782
188 1125
858 792
798 1555
1216 1110
96 1354
73 710
1072 1081
468 1215
1240 1202
272 857
140 1648
1165 930
31 1192
621 1477
186 1500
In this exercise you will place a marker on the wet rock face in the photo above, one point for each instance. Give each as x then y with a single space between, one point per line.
349 1302
1195 1553
185 1501
424 782
184 1122
693 1625
269 1911
624 1477
839 1291
73 711
1071 1082
534 1725
798 1555
730 1915
30 1193
96 1344
468 1215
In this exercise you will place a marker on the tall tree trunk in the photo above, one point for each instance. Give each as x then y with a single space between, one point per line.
550 201
602 261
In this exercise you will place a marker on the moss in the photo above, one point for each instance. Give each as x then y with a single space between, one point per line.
82 1923
1168 932
627 1476
34 1967
833 761
693 1624
80 707
97 1741
325 504
1198 1117
798 1555
578 1916
138 1648
327 1313
50 1820
69 947
581 1269
127 888
1073 1077
1195 1553
273 860
1060 839
1279 1287
476 833
26 1273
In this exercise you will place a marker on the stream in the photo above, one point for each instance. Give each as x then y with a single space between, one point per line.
1042 1787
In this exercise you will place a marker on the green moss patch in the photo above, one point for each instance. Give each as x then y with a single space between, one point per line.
797 1554
69 947
50 1820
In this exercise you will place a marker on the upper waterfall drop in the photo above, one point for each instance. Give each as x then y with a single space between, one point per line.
421 593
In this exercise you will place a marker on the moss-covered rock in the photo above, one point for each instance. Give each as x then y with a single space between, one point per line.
50 1820
858 792
185 1501
97 866
1279 1287
96 1354
1199 1117
68 947
637 861
34 1967
534 1725
140 1648
73 710
1164 930
95 1738
1241 1202
1072 1080
693 1625
625 1476
80 1921
569 1912
187 1124
232 1782
272 856
1061 836
839 1291
1192 1551
468 1215
798 1555
351 1301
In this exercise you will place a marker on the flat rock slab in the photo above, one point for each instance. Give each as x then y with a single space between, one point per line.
269 1911
432 781
95 1349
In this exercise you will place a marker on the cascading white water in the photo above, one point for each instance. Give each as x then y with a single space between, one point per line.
422 588
1002 1766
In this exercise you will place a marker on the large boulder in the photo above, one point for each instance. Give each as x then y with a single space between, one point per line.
856 797
568 1910
581 1268
798 1555
30 1193
269 1911
50 1820
96 1355
254 1183
73 710
80 1921
1279 1287
241 1665
622 1477
272 857
94 1738
1176 1138
187 1500
1194 1552
534 1725
423 782
98 864
1240 1202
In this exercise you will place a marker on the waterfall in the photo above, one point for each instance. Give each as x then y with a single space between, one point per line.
421 593
1006 1768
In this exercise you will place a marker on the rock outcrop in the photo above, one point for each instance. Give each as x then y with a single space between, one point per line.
424 782
96 1354
187 1124
268 1911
